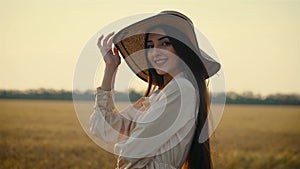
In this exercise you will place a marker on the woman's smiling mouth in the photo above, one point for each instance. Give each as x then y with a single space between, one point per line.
161 61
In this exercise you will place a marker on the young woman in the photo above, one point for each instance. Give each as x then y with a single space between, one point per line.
162 129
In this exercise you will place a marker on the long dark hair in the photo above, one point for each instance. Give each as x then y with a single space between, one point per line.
199 156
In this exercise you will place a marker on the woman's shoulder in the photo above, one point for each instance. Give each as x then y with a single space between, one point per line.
180 84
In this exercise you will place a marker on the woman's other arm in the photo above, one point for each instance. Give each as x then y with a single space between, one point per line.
112 61
106 122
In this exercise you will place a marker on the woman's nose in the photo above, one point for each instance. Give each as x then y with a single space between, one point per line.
156 51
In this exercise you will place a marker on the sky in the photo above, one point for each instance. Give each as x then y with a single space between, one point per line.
257 41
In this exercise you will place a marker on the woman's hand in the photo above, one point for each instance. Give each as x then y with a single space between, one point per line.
111 56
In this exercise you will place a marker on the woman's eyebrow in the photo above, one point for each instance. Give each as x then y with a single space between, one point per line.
161 38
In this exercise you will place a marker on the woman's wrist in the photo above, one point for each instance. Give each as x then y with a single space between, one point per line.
108 79
110 70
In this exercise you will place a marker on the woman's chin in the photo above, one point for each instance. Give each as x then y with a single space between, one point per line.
160 72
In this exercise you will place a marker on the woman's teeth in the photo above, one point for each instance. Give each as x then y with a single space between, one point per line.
160 62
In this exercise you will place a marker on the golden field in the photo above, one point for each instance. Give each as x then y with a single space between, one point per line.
47 135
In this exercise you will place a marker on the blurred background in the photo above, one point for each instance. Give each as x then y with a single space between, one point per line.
257 42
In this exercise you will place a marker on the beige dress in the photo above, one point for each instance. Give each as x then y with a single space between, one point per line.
155 133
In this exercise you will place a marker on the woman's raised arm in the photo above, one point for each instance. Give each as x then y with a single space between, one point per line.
111 58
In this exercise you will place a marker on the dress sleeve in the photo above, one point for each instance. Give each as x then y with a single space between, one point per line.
106 122
165 118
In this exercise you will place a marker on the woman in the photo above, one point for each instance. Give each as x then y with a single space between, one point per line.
162 129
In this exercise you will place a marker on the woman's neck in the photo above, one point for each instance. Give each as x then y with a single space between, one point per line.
168 78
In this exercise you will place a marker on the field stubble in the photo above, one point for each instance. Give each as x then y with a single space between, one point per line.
47 134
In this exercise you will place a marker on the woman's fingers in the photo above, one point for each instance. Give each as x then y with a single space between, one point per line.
109 43
108 37
100 38
117 56
99 41
111 55
106 46
115 51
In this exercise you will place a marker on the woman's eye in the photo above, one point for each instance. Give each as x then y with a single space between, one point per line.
149 46
166 43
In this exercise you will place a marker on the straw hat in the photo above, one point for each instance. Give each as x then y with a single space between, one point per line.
131 39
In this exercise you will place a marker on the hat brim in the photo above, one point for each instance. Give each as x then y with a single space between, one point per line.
130 43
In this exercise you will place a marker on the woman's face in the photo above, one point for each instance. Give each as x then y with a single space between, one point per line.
161 54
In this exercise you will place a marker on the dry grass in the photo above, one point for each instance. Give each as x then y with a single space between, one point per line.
258 137
47 134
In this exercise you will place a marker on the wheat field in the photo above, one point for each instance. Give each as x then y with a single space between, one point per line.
47 134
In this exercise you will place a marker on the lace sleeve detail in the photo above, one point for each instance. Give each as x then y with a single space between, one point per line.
106 122
105 100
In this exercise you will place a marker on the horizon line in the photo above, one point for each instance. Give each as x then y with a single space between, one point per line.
72 90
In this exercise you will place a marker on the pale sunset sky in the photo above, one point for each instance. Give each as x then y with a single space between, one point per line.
257 41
